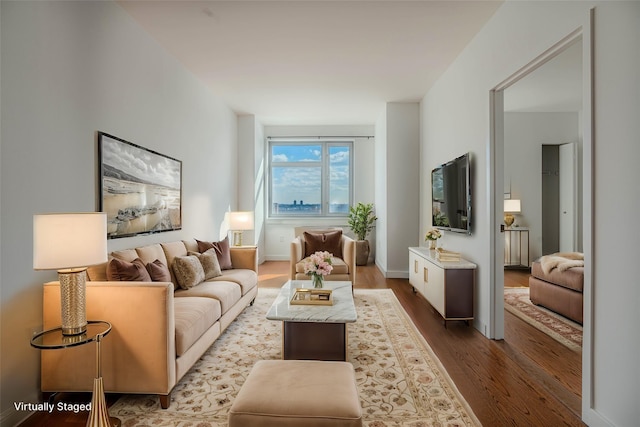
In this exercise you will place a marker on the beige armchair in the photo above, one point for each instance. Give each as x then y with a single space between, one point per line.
309 240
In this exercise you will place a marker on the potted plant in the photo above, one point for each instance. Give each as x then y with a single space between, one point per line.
361 219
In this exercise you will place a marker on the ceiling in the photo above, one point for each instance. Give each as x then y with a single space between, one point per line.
556 86
314 62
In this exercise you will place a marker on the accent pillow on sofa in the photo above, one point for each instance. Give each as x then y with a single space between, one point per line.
330 241
158 271
124 271
188 271
210 264
222 251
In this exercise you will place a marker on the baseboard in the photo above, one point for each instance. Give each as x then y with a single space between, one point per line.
276 258
12 417
595 419
397 274
392 274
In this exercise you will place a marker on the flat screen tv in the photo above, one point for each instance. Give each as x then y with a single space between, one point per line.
451 195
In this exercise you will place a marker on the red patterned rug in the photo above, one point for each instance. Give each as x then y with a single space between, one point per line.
565 331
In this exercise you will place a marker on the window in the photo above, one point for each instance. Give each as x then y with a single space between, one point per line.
310 178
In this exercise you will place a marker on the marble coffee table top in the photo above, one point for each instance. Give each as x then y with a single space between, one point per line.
343 309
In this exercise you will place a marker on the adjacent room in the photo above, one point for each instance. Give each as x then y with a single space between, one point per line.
345 213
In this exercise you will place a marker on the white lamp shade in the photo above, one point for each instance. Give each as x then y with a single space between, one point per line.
512 205
239 221
69 240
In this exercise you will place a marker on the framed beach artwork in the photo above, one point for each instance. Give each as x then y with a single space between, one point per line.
140 190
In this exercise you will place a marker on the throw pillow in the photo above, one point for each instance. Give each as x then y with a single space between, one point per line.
330 241
222 251
158 271
188 271
210 264
123 271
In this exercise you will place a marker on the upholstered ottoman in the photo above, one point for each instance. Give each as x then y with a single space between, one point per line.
297 393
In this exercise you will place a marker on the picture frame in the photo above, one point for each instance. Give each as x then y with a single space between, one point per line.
140 189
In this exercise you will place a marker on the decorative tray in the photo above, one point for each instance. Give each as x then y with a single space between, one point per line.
312 297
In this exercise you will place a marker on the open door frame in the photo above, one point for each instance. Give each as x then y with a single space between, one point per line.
496 188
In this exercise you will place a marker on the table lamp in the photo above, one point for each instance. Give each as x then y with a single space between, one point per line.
69 243
238 222
511 206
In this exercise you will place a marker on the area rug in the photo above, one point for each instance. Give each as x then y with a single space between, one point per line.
560 328
401 382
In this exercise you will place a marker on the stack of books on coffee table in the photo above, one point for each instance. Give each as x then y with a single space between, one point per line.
444 255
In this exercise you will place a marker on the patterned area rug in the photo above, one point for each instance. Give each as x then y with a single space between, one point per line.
400 380
558 327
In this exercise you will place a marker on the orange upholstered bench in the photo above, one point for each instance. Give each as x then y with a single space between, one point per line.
298 393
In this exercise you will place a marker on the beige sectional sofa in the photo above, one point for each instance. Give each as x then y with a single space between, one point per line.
159 330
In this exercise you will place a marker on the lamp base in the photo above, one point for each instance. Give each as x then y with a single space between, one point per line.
99 416
509 219
73 300
237 238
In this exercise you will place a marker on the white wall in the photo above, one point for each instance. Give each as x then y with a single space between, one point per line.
524 135
251 196
381 195
402 175
68 70
456 119
616 292
280 231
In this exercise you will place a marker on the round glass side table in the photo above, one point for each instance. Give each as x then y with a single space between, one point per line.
53 339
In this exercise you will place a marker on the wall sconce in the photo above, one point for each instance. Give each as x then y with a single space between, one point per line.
69 243
511 206
238 222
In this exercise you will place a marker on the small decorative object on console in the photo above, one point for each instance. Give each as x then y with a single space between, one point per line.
444 255
432 237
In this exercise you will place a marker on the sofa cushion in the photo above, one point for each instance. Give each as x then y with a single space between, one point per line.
123 271
247 279
210 264
98 273
158 271
188 271
228 293
572 278
339 266
151 253
193 316
191 245
330 241
222 250
125 254
172 250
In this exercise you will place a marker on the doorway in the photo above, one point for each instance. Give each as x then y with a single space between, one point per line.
532 184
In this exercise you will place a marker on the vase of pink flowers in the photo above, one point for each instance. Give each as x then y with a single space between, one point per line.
317 266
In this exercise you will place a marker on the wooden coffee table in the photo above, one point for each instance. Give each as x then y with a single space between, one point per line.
314 332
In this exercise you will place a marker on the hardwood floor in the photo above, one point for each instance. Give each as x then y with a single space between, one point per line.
527 379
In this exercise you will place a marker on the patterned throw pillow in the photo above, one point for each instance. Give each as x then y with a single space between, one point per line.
188 271
123 271
222 251
210 264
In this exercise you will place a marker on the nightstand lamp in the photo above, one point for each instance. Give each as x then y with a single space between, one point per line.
239 222
69 243
511 206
